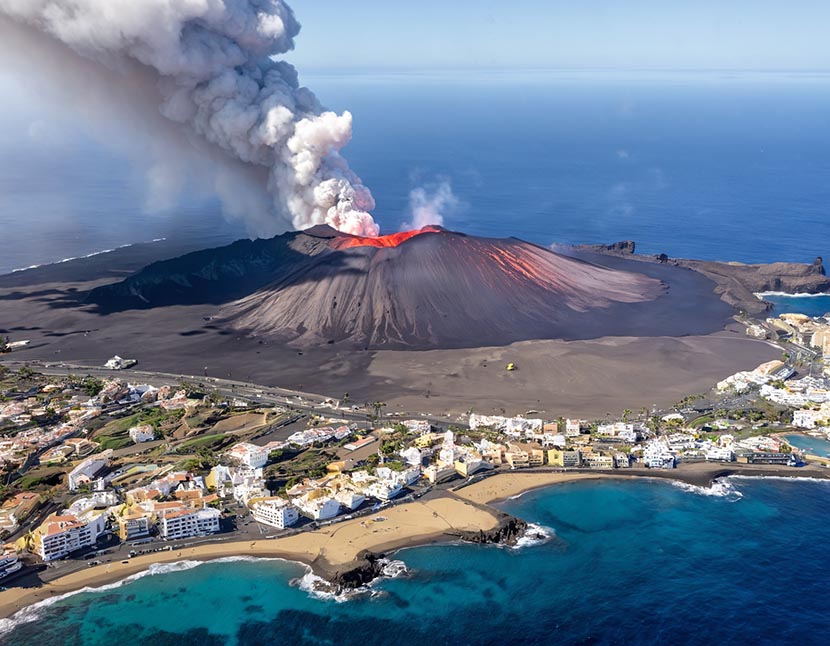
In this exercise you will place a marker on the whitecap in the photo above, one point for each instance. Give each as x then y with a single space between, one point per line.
720 488
534 535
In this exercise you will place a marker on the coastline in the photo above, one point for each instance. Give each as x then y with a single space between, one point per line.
339 550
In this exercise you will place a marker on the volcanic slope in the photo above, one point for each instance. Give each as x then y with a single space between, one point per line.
427 289
435 289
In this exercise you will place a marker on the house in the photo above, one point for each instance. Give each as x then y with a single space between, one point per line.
249 454
573 427
142 433
412 456
317 506
656 455
597 461
720 454
133 525
186 523
562 458
275 512
807 418
86 471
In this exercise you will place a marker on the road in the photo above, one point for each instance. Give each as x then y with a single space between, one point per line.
310 403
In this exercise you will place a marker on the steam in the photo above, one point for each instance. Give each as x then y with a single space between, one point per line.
210 66
429 205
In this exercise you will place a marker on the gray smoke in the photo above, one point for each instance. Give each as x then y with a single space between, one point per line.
209 65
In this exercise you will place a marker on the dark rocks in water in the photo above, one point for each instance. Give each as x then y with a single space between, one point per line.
507 532
369 567
818 266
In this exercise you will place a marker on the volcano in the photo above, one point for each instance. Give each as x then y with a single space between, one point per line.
429 288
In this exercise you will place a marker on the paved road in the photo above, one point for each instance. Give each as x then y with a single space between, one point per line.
268 395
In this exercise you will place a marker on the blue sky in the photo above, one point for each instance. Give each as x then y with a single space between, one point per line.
623 34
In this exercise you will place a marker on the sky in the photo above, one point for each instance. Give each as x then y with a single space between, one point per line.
619 34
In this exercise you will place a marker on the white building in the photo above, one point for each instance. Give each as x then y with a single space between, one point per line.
321 508
614 430
349 500
572 427
275 512
807 418
185 523
86 471
515 426
720 454
249 454
384 490
61 535
419 426
412 456
143 433
656 455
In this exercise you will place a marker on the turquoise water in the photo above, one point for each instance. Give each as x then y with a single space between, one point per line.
631 562
810 305
812 445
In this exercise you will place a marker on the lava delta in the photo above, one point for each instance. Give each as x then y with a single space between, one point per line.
423 289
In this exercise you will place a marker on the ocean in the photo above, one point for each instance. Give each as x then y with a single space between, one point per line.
704 165
629 562
810 304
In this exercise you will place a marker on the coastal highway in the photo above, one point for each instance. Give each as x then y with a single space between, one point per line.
261 394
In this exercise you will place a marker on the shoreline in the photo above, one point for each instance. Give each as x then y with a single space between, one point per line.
339 552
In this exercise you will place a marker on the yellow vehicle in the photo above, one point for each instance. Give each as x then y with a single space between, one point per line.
511 367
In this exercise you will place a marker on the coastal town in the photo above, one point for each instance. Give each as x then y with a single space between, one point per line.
97 469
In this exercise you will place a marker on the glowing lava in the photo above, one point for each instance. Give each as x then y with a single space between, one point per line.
391 240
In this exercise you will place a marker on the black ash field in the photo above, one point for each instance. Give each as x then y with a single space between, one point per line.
422 321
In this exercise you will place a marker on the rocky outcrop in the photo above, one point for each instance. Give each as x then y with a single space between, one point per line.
507 532
369 566
737 283
621 248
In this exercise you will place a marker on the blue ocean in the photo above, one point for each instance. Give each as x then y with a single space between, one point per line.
703 165
630 562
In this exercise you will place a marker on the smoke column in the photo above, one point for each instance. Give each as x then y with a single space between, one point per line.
212 62
429 204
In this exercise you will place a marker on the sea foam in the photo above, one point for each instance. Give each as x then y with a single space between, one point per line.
720 488
534 535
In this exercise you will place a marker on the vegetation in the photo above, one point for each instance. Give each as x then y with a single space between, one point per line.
4 344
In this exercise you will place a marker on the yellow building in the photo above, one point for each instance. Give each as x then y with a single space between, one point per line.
559 458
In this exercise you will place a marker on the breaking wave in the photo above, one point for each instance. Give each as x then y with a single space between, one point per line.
319 588
89 255
721 488
534 535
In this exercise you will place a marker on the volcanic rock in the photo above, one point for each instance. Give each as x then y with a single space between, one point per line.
434 289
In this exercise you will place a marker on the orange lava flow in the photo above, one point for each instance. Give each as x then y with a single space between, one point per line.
391 240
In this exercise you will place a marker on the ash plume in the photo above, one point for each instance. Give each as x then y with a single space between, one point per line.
429 204
211 67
